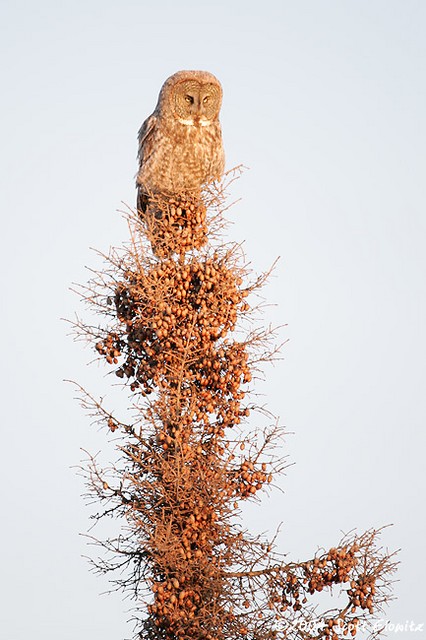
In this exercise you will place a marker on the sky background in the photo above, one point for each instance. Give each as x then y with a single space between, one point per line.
325 102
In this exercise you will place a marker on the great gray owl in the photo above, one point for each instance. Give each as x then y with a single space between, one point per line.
180 144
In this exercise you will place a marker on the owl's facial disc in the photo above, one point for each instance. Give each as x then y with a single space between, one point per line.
196 103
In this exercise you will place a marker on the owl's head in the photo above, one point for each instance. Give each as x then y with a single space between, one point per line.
192 97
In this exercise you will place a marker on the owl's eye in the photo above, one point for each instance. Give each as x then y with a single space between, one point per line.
189 99
206 99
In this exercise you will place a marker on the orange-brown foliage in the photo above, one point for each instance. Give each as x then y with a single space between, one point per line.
175 341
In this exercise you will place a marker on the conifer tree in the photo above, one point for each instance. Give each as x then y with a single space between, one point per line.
178 326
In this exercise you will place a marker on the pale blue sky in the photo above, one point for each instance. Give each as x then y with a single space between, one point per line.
325 101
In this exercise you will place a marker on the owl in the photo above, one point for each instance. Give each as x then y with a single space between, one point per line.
180 144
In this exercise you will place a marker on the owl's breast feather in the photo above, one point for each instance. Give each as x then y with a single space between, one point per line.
184 156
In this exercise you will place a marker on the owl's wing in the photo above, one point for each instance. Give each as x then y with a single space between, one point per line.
145 138
146 147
